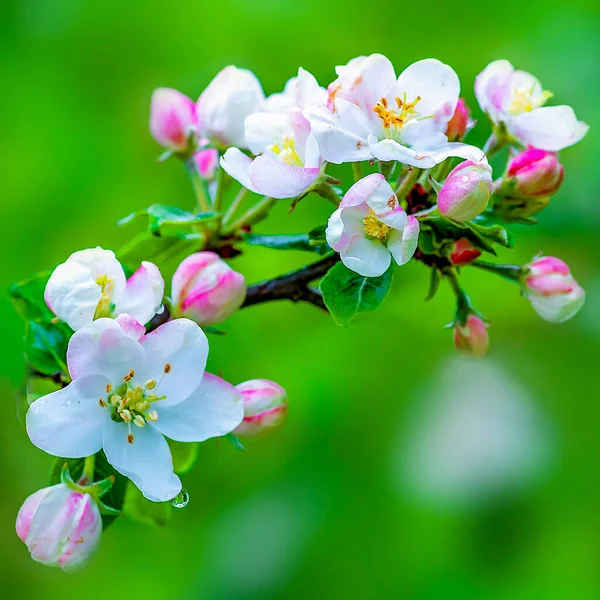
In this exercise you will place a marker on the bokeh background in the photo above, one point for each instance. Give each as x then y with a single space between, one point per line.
402 472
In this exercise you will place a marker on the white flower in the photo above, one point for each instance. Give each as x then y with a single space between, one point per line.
516 98
370 227
91 284
287 155
128 391
371 114
224 105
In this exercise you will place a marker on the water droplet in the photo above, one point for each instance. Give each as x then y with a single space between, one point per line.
181 500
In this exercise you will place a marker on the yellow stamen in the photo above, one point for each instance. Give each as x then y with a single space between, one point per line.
396 117
167 368
130 438
152 416
374 228
139 421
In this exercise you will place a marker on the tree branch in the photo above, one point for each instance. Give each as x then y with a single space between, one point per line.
292 286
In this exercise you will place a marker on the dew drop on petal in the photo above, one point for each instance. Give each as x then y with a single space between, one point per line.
181 500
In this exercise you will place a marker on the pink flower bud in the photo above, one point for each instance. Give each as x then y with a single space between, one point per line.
172 119
535 173
265 406
206 289
459 123
207 161
466 192
551 289
473 337
61 527
462 252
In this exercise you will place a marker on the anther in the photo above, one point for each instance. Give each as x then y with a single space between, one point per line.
130 438
109 388
152 416
115 399
167 368
139 421
150 385
126 415
102 402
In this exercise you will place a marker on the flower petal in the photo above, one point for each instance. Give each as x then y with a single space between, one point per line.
143 294
366 257
69 422
265 129
549 128
215 408
492 88
131 327
177 353
103 348
385 205
403 244
237 165
277 179
147 461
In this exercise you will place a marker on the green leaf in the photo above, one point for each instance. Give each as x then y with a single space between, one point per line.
142 510
301 241
114 498
46 347
496 234
434 284
185 455
28 297
236 442
161 216
158 249
347 293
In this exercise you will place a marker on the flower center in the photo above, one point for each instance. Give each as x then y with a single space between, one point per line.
130 403
107 287
286 151
374 228
396 118
523 100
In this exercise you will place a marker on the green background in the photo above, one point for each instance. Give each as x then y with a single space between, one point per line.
336 504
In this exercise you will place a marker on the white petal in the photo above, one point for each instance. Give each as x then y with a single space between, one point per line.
344 225
143 294
237 164
131 327
385 205
307 90
215 408
182 345
366 257
335 229
550 128
437 86
492 88
147 461
265 129
359 192
403 244
69 422
341 135
277 179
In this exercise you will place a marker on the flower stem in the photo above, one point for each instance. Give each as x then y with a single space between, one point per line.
221 185
88 468
493 145
235 204
386 167
464 306
357 170
252 215
510 272
198 184
408 182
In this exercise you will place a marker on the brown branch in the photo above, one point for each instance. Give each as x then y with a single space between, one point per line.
292 286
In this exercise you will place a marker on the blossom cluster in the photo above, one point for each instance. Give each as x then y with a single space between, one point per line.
128 357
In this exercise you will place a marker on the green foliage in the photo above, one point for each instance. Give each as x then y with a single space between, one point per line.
169 220
158 249
184 455
28 297
300 241
142 510
347 293
40 386
114 498
235 442
46 346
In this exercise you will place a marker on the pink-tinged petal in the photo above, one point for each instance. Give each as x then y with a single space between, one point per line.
132 328
69 422
237 165
344 225
214 409
385 205
146 461
550 128
341 135
172 118
550 285
403 243
27 512
492 88
143 295
362 189
207 161
366 257
472 338
549 265
177 353
558 308
277 179
190 267
103 348
265 406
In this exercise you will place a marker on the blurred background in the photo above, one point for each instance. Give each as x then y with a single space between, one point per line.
402 471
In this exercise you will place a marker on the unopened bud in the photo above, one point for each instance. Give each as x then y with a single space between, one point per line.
459 123
207 161
172 119
535 173
206 289
462 252
472 337
466 192
553 292
265 406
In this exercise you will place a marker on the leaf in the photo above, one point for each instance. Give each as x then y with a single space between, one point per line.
434 284
46 347
158 249
28 297
162 215
347 293
236 442
300 241
497 234
185 455
114 498
142 510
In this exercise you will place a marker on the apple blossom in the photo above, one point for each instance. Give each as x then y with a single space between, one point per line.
287 155
265 406
128 391
535 173
462 252
460 123
370 227
472 337
372 114
551 289
466 191
60 527
91 284
207 162
224 105
172 119
206 289
515 100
